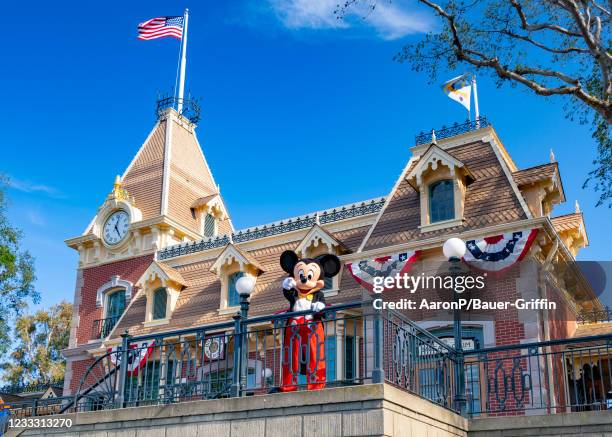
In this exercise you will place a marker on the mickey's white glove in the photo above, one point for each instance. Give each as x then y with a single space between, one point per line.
289 283
318 306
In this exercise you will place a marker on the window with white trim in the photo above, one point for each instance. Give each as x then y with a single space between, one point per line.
209 226
160 302
441 201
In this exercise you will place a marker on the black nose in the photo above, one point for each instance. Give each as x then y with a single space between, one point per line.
303 280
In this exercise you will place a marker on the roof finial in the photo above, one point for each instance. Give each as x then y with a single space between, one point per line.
552 156
577 206
433 137
317 221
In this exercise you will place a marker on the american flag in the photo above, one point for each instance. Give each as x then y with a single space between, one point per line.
160 27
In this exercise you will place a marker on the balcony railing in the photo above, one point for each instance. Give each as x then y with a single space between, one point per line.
451 131
345 345
596 316
103 327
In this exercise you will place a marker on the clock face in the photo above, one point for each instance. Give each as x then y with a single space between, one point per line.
116 227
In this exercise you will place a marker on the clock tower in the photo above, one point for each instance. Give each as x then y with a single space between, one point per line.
167 195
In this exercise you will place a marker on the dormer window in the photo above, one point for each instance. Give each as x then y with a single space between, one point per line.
160 300
162 286
441 201
233 298
441 180
231 265
209 210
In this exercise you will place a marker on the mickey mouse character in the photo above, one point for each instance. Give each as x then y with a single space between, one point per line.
304 339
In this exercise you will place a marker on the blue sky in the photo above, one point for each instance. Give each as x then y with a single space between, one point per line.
273 77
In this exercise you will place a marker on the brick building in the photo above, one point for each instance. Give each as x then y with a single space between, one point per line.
161 255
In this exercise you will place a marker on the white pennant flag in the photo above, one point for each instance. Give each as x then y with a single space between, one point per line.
459 89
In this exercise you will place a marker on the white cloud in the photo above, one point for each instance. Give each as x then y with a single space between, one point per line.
36 218
30 187
309 14
388 19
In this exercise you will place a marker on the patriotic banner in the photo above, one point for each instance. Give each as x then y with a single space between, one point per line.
214 349
136 359
459 89
160 27
499 252
365 271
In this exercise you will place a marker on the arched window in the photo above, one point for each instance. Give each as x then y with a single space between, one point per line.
160 297
441 201
233 298
210 225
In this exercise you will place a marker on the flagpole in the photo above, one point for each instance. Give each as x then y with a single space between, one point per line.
477 113
181 89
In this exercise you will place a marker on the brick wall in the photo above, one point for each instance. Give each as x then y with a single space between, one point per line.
95 277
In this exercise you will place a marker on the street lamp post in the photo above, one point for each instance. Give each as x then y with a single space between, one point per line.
244 287
454 249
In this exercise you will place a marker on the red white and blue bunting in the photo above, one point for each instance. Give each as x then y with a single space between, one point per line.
499 252
365 271
137 358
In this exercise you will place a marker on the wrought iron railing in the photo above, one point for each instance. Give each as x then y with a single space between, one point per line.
545 377
103 327
451 131
29 388
343 345
38 407
595 316
190 107
304 222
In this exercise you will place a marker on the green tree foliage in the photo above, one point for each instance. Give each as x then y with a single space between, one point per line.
16 274
40 338
554 48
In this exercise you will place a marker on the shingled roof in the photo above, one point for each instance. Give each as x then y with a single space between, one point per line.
532 175
567 222
489 200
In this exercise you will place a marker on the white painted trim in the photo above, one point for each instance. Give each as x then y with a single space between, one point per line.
212 178
387 201
488 328
437 241
90 225
317 235
127 170
428 158
133 161
166 169
496 149
115 282
441 225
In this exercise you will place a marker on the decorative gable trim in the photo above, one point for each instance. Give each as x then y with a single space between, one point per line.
316 236
115 282
167 276
212 204
232 254
386 204
491 139
432 159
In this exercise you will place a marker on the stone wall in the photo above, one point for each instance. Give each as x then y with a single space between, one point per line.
588 423
368 410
